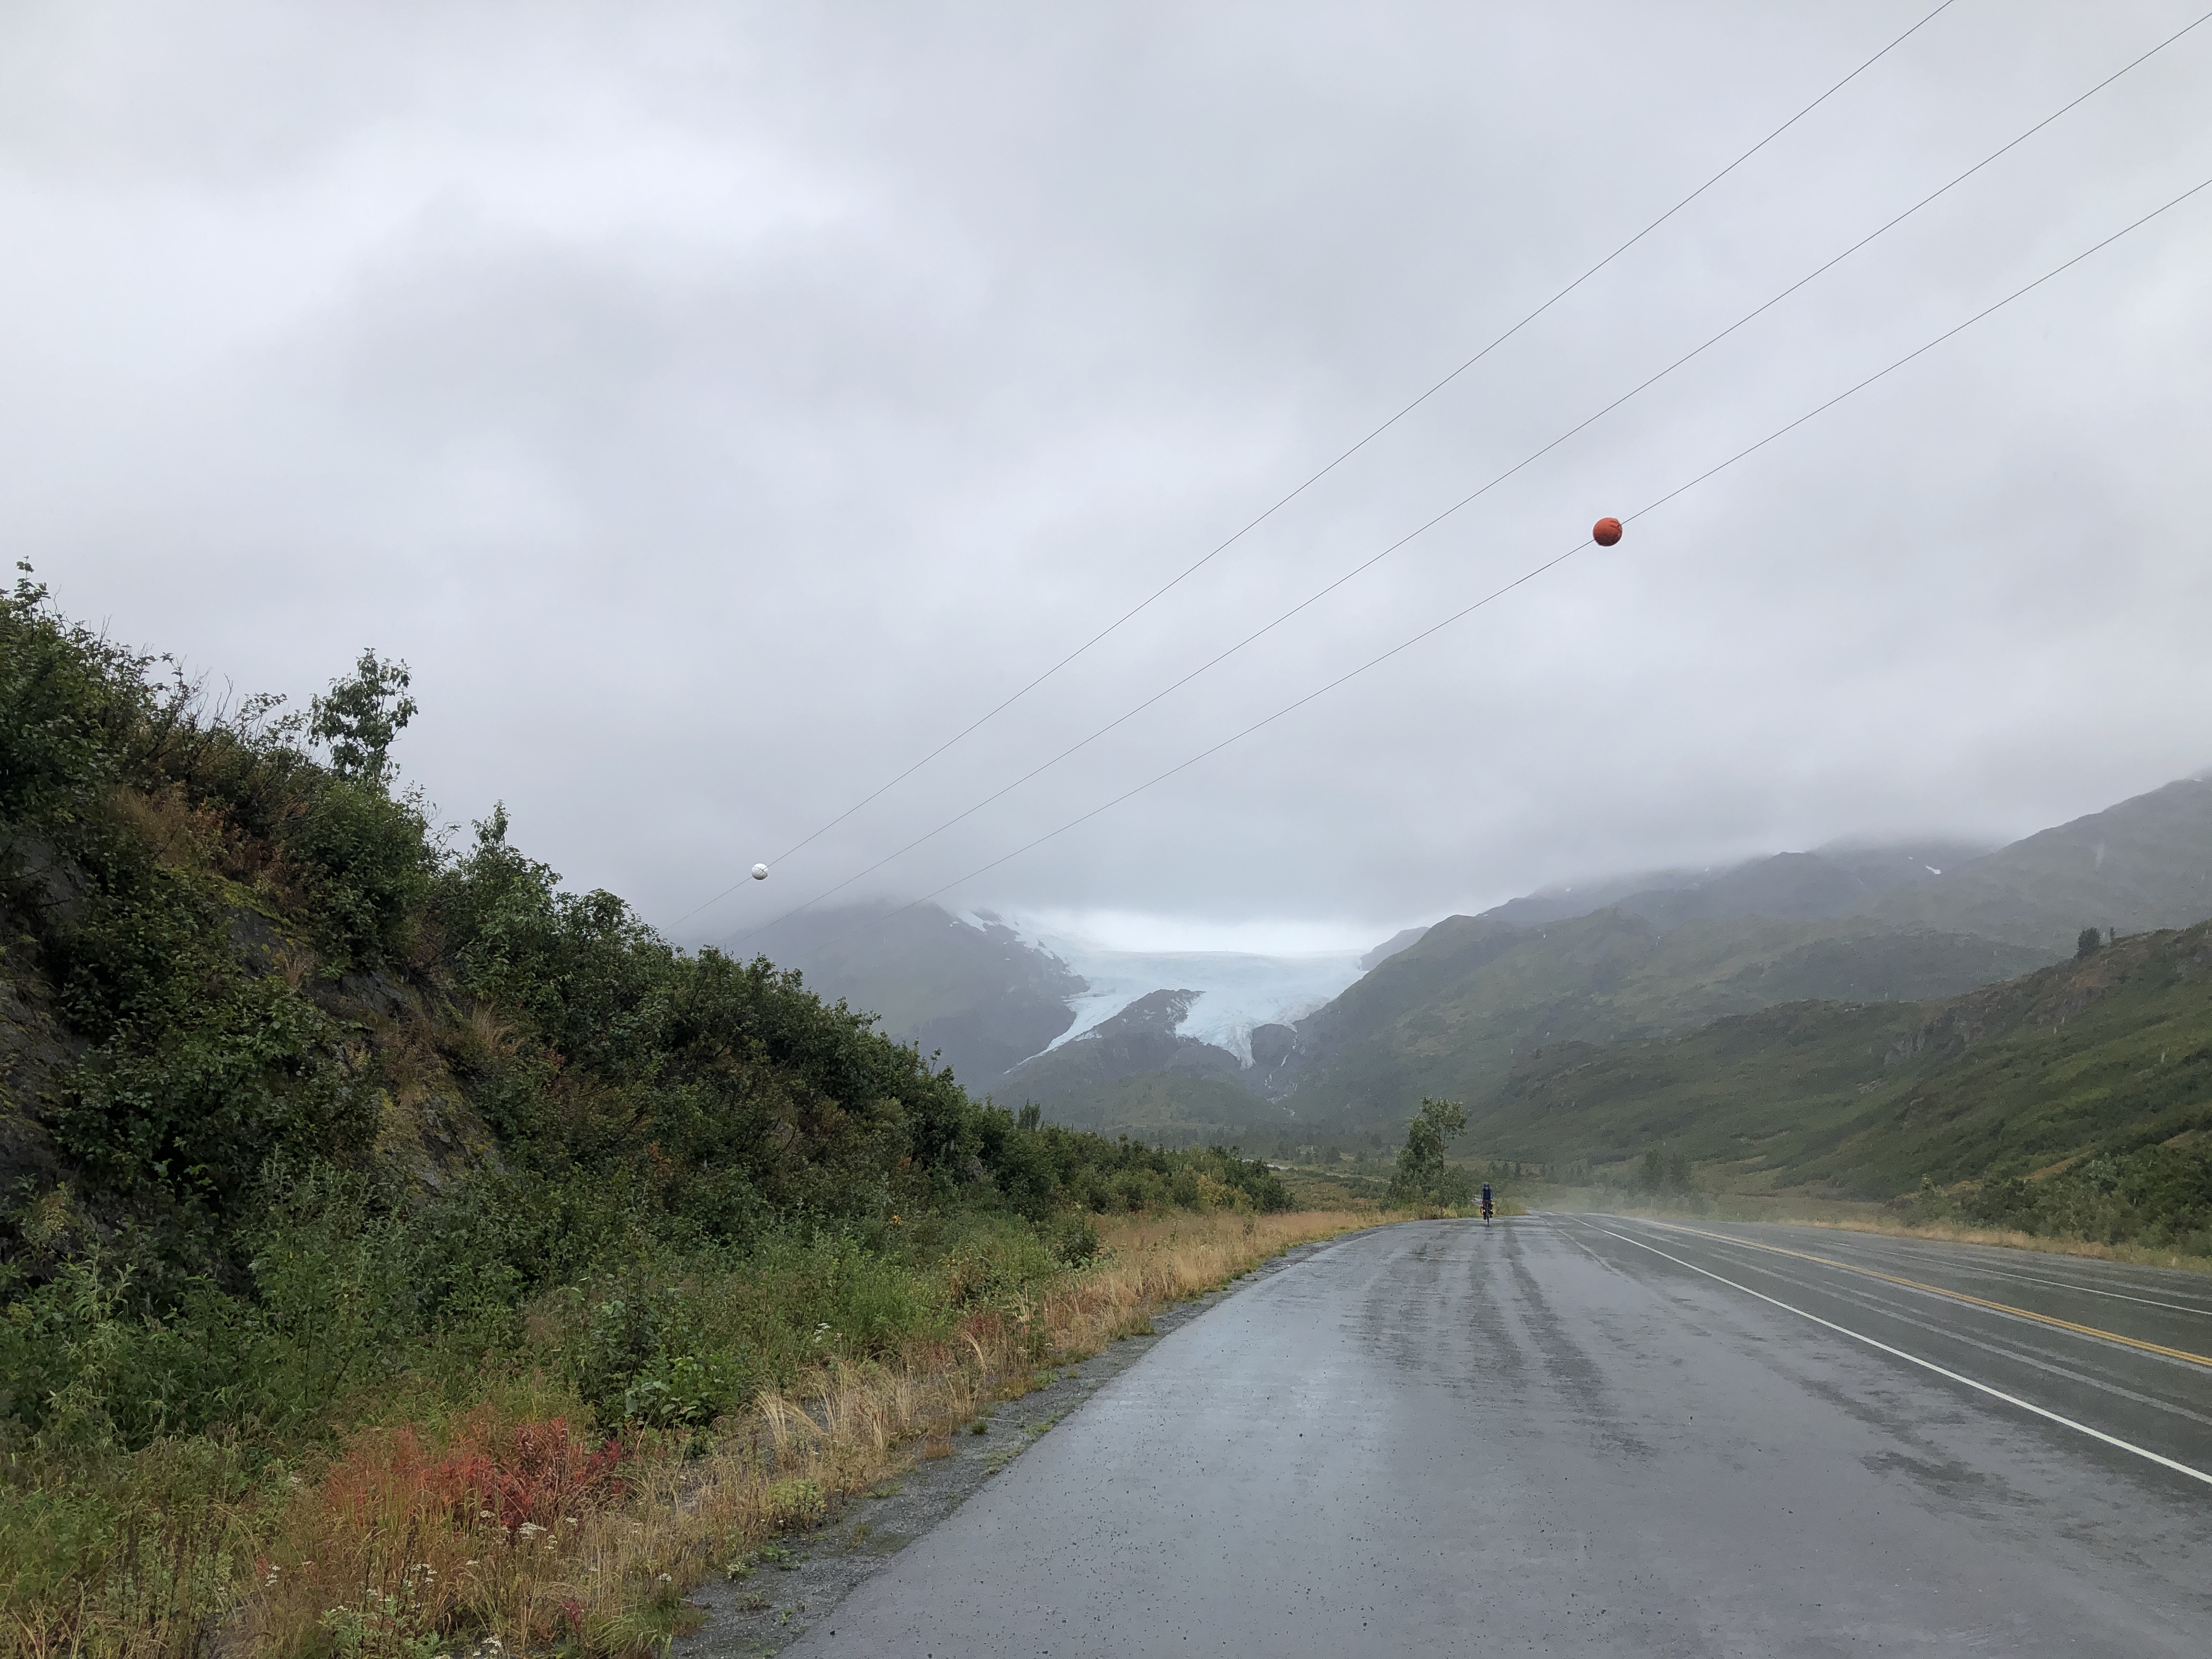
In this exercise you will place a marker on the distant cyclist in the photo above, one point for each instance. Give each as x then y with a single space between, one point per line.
1486 1204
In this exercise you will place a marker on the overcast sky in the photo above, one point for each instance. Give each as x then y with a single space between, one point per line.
719 406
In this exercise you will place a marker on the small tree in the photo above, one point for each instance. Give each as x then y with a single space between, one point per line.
2085 943
1423 1176
361 717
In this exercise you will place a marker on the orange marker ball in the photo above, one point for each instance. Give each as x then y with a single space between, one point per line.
1606 531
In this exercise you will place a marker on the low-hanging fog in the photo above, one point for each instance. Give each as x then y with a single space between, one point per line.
720 406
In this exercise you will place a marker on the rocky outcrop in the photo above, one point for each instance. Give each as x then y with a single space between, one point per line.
1142 1037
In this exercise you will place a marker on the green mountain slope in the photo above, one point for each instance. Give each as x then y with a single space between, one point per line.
1831 881
2094 1057
974 993
1449 1015
2145 863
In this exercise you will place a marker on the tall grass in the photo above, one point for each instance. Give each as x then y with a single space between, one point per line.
449 1522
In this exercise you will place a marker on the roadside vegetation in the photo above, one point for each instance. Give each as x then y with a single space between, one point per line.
400 1252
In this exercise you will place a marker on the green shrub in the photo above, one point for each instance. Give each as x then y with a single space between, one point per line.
701 1178
2157 1195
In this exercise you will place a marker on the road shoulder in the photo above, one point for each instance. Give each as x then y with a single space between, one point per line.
763 1607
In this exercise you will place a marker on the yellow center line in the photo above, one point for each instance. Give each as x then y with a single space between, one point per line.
1954 1296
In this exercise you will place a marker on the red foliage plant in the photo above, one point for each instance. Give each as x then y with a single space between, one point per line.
508 1474
535 1472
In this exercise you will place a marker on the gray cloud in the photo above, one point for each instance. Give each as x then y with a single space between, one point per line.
720 406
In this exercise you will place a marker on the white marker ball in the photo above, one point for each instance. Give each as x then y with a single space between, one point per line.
760 872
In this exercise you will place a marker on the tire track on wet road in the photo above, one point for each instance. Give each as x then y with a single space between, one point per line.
1945 1372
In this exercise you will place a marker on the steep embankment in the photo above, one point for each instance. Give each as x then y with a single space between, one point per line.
2098 1056
382 1229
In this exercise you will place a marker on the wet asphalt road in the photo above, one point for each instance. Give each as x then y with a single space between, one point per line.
1584 1435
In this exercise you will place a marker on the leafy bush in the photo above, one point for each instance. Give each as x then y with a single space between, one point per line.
2159 1195
1663 1172
328 1126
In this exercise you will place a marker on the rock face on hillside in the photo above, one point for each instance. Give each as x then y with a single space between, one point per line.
1272 1045
404 1025
36 1051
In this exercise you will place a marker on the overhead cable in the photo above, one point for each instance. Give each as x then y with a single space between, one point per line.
1191 569
1530 576
1474 495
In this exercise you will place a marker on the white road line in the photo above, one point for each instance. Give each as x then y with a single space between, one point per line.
1875 1245
2005 1309
1866 1299
1914 1359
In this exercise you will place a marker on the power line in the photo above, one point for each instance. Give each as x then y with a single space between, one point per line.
1475 495
1193 568
1532 575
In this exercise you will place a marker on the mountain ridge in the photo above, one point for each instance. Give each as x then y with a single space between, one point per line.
1448 1009
2103 1053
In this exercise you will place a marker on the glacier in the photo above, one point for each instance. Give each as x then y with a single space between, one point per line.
1237 990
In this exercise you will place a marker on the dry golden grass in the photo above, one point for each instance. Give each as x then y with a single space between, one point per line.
2134 1255
385 1552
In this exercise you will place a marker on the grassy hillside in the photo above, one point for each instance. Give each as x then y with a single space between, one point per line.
2092 1060
1450 1015
364 1202
1831 881
2146 863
